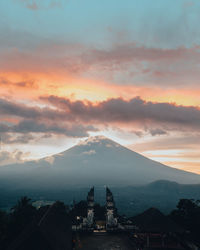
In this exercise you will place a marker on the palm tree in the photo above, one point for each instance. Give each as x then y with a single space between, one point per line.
24 202
22 214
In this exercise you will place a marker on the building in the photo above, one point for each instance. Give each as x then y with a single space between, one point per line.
90 208
92 221
111 213
105 220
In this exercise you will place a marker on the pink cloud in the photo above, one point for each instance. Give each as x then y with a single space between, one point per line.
121 64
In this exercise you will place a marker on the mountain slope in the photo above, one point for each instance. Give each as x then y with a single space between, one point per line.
96 161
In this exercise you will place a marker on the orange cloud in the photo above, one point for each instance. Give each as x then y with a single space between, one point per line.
187 166
31 85
124 71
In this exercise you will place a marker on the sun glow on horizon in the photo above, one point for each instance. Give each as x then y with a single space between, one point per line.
66 75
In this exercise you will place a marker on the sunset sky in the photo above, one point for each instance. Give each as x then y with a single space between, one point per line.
128 70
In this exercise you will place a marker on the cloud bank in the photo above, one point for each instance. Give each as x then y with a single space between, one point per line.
62 116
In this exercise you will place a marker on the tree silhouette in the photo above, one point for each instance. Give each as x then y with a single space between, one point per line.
3 225
23 203
187 214
21 215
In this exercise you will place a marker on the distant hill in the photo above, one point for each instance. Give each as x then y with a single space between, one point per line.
161 194
97 161
136 181
130 200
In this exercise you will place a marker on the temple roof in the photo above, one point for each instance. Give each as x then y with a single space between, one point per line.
152 220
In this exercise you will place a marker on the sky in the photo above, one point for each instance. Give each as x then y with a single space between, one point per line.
128 70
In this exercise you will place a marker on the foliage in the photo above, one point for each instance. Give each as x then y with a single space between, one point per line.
187 214
79 209
23 215
3 225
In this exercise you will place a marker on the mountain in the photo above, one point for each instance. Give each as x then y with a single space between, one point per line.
97 161
161 194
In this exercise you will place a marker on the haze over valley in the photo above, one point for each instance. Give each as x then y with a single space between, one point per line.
99 161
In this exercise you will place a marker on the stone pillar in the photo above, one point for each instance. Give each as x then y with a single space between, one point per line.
90 207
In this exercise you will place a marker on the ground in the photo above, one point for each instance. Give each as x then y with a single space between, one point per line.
104 242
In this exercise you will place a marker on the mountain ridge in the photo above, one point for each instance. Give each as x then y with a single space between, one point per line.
118 145
130 200
96 161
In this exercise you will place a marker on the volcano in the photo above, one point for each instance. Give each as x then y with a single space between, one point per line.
96 161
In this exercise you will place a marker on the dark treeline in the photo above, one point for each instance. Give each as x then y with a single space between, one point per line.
23 214
187 215
12 224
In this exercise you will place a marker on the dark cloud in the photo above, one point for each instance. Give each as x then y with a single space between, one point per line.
157 131
31 126
74 118
127 111
8 108
10 138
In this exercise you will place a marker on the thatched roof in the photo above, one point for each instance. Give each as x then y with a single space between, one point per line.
152 220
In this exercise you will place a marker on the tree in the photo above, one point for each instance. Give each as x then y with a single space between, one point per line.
187 214
3 225
21 215
80 209
24 202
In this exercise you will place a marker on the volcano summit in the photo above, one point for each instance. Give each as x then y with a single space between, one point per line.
95 161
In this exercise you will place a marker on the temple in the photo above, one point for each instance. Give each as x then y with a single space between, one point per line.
97 227
90 208
102 218
111 213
